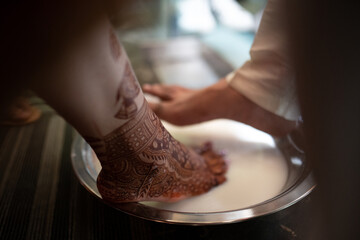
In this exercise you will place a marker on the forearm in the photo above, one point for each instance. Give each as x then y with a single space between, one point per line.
240 108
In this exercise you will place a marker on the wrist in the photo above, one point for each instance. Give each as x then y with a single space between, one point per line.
236 106
240 108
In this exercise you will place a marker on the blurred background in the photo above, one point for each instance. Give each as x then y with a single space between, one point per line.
202 39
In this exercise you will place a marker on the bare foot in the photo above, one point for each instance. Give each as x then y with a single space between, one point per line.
141 161
183 106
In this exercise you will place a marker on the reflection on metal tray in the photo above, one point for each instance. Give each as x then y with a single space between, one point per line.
245 147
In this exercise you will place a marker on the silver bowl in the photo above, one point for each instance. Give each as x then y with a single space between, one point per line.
299 183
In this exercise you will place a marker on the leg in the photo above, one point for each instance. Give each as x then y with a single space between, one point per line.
95 89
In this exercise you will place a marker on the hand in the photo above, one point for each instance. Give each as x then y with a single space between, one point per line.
182 106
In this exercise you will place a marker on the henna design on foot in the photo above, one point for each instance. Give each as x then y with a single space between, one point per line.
142 161
127 93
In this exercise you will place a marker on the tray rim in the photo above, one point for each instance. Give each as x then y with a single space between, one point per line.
287 198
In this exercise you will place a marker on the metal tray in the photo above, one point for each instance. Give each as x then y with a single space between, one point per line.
299 181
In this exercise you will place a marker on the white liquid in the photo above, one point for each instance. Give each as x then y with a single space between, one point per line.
257 170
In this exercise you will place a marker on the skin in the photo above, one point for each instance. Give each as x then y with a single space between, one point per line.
182 106
142 161
19 112
95 89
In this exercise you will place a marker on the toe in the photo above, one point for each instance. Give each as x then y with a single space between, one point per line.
220 179
219 168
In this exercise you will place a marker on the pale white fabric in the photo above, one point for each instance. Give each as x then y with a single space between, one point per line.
268 78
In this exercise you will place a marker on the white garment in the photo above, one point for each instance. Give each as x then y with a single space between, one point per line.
268 78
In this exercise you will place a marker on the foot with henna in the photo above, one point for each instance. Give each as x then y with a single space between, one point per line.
141 161
95 89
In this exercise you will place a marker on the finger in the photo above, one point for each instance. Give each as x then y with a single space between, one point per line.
156 107
165 92
161 91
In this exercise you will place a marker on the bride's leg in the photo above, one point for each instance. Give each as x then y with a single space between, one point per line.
94 87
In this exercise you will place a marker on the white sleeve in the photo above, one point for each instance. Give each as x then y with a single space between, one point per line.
268 78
